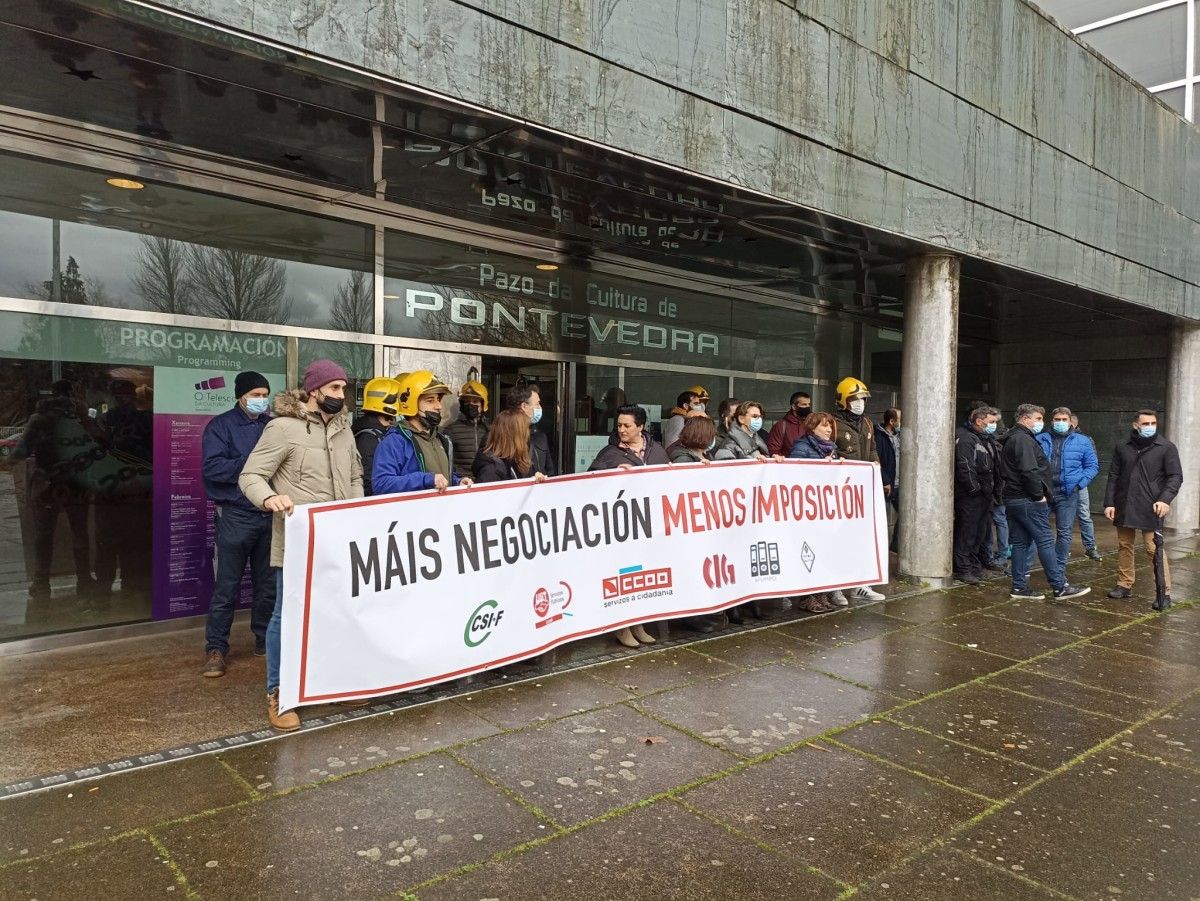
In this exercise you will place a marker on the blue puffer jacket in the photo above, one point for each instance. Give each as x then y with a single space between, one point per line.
1079 462
398 465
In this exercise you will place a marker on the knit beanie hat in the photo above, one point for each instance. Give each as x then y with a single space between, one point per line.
320 373
247 381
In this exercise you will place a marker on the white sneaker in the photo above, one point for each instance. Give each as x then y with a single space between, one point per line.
839 599
866 594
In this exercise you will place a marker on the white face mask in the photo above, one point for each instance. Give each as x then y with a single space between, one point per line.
857 406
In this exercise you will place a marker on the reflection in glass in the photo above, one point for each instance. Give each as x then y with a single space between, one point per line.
69 236
77 451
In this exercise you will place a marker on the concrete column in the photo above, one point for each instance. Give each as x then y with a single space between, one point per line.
1182 422
928 384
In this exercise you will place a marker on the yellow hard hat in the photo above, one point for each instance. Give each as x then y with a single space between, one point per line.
413 386
475 389
699 390
849 389
379 396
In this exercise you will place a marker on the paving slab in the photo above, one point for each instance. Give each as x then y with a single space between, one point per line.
39 823
308 757
846 815
591 763
623 860
766 708
749 649
1149 640
128 868
648 673
1073 694
362 836
853 625
949 875
1029 730
940 605
906 664
539 700
1066 617
1174 736
989 775
1114 826
997 635
1180 619
1119 671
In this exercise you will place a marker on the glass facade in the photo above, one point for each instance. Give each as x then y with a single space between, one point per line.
1154 42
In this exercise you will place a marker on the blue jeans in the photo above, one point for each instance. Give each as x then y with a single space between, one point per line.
1029 524
273 634
1066 509
1087 531
995 549
242 537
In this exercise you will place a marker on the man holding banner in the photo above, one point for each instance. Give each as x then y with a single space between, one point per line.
414 455
306 454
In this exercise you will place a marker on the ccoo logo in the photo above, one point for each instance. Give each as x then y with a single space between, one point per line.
718 571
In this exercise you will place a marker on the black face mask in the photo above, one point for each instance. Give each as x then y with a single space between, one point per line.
471 411
331 406
431 418
803 411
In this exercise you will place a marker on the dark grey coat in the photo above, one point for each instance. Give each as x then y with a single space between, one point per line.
1140 475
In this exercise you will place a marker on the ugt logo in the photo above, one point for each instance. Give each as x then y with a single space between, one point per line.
718 571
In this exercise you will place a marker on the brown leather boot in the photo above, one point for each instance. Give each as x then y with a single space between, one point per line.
284 722
214 665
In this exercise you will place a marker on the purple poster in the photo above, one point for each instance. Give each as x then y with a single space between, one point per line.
184 525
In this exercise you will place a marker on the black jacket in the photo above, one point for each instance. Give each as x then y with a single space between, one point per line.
974 463
539 449
680 454
614 455
1024 469
468 437
367 435
489 468
1141 474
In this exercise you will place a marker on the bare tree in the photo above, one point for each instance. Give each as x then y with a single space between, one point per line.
162 278
233 284
354 306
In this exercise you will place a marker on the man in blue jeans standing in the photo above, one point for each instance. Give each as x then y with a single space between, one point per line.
243 531
1027 483
1087 531
307 454
1073 466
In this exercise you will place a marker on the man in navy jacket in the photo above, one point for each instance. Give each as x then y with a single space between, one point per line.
243 531
1073 465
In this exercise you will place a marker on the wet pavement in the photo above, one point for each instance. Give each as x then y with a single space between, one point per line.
945 745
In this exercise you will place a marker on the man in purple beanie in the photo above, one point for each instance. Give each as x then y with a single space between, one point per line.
281 473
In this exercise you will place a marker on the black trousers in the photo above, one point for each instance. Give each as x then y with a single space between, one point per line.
972 516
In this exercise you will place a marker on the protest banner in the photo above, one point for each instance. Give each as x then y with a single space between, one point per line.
386 594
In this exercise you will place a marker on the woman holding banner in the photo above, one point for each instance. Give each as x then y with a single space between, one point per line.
633 447
505 455
818 443
696 441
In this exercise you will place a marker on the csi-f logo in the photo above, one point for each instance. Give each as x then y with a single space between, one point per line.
546 600
635 580
482 623
718 571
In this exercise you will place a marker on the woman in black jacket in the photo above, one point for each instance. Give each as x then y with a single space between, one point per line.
505 455
633 447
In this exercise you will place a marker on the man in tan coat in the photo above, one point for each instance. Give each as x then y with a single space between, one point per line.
306 454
